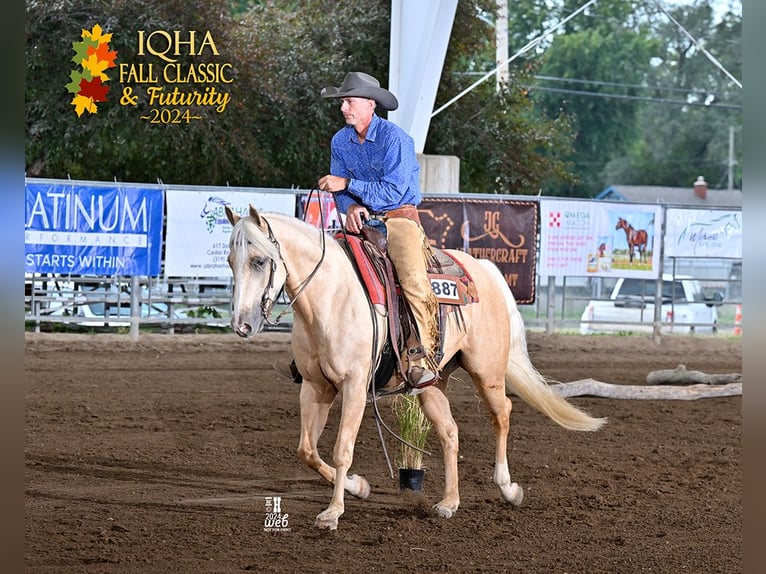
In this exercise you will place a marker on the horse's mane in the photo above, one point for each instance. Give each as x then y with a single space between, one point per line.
246 232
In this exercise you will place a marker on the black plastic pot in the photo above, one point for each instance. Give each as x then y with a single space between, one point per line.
411 479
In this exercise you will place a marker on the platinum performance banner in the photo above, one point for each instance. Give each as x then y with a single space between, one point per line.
86 228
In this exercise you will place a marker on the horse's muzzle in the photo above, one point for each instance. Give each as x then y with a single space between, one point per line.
243 329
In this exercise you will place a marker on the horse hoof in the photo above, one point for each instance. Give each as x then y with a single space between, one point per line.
513 494
326 520
357 486
443 511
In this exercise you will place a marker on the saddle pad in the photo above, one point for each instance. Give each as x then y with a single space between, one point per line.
372 284
450 281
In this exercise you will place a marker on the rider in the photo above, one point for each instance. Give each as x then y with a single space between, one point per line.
374 177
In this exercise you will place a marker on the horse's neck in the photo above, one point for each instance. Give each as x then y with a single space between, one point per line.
317 289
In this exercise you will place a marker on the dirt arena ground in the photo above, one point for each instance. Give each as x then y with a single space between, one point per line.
161 456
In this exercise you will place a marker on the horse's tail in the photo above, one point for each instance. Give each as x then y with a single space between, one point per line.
523 379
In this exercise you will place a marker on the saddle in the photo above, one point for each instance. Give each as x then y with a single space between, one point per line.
450 281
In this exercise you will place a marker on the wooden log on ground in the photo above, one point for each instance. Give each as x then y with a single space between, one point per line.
594 388
680 376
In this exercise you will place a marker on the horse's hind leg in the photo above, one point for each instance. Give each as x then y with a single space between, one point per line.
500 407
436 408
316 401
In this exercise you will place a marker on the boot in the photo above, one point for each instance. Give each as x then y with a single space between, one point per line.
419 375
289 371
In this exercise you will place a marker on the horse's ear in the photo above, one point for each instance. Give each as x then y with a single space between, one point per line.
259 221
230 215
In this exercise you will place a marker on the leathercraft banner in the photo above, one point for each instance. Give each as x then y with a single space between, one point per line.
500 231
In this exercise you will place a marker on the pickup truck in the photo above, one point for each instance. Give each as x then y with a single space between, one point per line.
630 307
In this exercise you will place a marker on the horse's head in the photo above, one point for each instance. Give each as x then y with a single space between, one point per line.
621 224
258 269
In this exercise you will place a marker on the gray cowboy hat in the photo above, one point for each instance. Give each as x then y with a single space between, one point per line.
361 85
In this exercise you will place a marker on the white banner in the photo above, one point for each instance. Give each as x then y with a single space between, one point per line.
197 240
703 233
599 239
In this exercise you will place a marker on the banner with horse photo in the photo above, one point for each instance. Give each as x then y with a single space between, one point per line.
599 239
501 231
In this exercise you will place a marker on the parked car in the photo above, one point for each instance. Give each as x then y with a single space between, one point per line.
686 308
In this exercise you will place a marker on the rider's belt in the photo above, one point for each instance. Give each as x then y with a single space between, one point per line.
408 211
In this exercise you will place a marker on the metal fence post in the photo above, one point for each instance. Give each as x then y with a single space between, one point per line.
135 307
550 318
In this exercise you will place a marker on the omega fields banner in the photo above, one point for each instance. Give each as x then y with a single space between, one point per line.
599 239
83 228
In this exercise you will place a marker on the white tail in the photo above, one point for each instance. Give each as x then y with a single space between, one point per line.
523 379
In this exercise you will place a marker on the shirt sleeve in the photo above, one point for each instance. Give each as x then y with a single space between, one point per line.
382 181
343 199
392 176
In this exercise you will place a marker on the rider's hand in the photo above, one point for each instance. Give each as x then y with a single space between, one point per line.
332 183
355 217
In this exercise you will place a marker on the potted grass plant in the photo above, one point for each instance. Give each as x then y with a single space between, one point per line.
413 428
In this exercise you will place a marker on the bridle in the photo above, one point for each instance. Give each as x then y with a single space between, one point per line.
267 303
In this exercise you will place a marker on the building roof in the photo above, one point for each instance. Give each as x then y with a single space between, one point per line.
672 195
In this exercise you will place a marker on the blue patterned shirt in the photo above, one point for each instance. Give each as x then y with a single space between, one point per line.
383 171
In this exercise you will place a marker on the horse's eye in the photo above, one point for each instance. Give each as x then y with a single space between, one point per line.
258 262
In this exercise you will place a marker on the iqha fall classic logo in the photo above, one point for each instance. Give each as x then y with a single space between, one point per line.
88 82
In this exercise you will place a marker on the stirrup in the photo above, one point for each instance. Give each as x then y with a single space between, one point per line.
402 387
419 378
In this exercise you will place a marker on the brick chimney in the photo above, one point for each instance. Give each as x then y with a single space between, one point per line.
700 188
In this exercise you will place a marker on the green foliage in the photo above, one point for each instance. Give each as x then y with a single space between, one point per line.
677 143
413 427
276 129
504 142
204 311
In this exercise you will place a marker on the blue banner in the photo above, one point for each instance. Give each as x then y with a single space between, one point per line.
82 229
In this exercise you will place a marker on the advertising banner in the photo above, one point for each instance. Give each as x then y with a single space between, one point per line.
501 231
197 240
703 233
78 228
320 210
599 239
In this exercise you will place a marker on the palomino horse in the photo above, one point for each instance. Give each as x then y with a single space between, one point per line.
337 337
636 238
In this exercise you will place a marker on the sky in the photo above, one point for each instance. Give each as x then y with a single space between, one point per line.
719 6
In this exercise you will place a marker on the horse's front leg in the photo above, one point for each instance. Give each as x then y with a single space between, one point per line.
316 400
354 400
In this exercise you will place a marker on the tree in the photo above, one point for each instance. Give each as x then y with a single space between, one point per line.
606 49
688 138
504 142
276 129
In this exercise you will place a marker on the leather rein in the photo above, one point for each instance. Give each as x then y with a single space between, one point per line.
267 303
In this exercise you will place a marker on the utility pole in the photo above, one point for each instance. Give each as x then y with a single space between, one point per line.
731 159
501 43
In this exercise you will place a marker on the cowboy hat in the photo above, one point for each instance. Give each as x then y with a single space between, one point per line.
361 85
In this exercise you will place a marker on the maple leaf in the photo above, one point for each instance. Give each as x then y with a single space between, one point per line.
81 50
74 85
104 54
96 66
94 89
82 103
96 35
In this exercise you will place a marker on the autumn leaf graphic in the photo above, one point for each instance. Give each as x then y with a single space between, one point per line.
93 55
